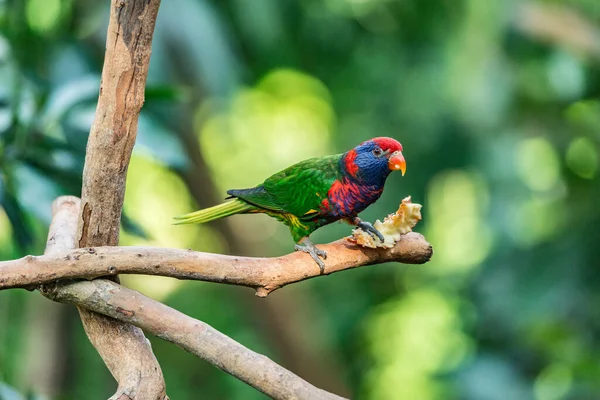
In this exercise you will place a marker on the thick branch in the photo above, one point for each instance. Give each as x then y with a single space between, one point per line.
192 335
263 274
113 133
123 347
131 307
131 370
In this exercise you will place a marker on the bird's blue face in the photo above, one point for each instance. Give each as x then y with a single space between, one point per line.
373 160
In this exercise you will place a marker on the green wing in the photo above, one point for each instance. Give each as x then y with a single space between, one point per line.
298 189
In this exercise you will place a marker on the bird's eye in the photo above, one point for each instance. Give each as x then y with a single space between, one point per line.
377 152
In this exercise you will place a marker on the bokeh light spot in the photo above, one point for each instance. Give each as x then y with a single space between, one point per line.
5 234
457 201
43 15
154 195
582 157
537 219
537 164
412 339
553 383
286 118
584 116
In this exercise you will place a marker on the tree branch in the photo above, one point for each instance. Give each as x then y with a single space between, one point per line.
130 369
263 274
123 347
192 335
197 337
113 133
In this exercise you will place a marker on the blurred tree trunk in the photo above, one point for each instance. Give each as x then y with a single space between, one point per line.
46 352
276 317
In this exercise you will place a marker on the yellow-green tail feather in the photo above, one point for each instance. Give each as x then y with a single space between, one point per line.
235 206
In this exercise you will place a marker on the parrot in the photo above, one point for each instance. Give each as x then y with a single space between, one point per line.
316 192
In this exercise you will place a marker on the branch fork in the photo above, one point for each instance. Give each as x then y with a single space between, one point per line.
113 315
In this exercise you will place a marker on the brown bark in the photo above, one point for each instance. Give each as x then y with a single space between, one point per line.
263 274
201 339
192 335
113 133
123 347
132 370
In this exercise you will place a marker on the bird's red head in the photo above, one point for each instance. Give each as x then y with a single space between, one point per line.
387 144
393 149
374 159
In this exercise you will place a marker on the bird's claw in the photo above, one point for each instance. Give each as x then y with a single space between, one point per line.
321 253
370 229
308 247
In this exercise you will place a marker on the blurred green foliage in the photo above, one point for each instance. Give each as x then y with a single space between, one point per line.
497 104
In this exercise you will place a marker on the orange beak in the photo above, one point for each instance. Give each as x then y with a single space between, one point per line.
397 162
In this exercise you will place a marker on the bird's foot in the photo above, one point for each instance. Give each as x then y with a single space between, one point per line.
370 229
309 247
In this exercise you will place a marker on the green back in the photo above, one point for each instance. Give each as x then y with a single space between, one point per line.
298 189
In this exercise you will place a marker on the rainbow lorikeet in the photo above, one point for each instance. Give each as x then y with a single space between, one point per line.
316 192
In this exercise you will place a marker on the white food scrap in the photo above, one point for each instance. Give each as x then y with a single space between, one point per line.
392 227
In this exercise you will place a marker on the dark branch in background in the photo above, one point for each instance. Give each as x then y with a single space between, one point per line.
123 347
276 321
199 338
263 274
